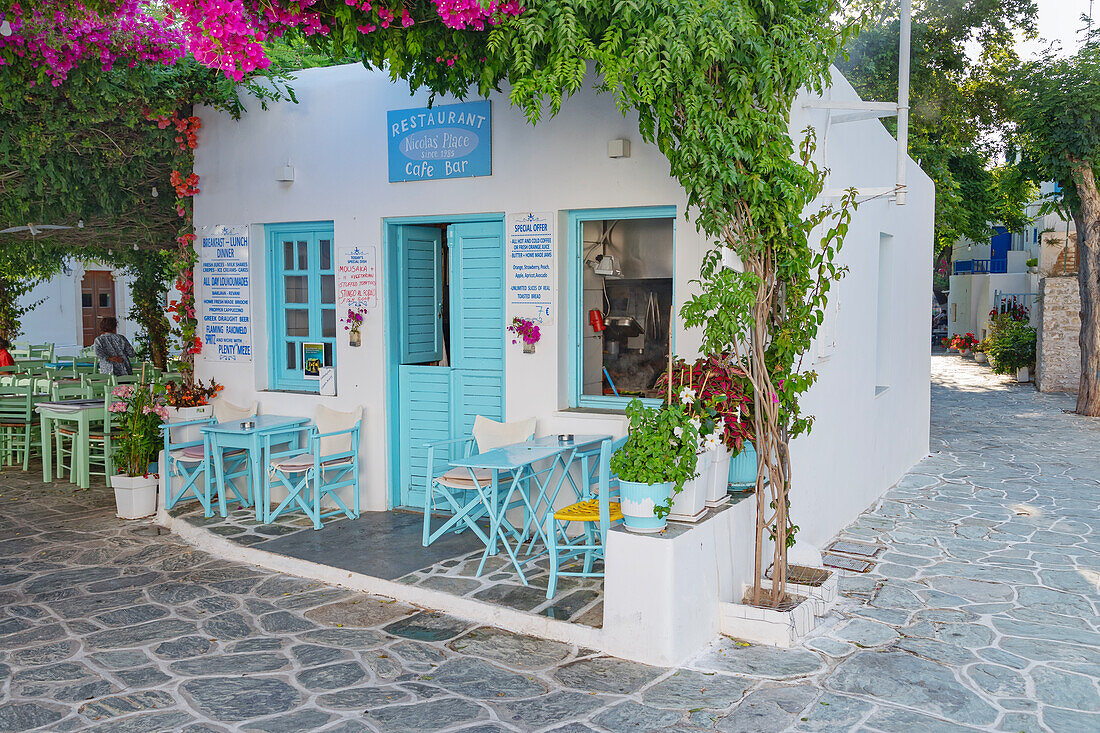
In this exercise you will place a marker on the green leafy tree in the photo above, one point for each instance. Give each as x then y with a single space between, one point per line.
1057 108
963 56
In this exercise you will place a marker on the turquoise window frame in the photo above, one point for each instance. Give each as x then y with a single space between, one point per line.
576 318
279 376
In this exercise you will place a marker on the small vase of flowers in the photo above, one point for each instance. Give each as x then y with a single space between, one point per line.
526 330
139 412
352 323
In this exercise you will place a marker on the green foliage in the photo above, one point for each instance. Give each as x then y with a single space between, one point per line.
963 56
1056 109
659 449
140 412
1011 345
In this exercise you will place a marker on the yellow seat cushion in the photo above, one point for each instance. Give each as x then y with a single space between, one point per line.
587 511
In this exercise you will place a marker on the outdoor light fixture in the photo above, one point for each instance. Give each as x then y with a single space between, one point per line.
284 173
79 223
155 194
5 29
618 148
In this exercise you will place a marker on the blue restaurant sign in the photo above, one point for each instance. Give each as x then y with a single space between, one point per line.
449 141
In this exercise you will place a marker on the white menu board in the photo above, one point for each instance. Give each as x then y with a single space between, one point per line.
530 266
225 311
357 277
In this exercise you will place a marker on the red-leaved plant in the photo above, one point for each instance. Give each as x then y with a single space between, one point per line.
720 385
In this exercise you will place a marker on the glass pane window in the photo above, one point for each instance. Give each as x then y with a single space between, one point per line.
299 259
297 322
297 289
104 300
624 270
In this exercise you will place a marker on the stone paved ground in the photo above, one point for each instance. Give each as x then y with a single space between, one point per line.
981 615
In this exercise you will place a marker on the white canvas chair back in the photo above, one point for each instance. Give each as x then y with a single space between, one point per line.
491 434
226 411
331 421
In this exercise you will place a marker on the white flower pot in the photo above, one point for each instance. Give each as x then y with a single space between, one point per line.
1022 375
135 496
691 504
979 356
764 625
186 414
718 486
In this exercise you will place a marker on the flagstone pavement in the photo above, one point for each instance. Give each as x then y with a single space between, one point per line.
981 615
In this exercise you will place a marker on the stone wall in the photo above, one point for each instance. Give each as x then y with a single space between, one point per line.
1058 360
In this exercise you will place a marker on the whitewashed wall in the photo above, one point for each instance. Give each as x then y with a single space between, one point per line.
57 318
335 140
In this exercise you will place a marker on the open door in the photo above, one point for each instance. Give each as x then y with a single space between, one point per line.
451 368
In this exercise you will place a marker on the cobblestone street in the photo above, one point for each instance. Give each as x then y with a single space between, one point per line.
982 614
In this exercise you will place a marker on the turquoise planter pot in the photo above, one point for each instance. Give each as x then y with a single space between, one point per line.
637 502
743 467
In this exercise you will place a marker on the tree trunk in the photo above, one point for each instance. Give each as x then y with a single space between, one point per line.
1088 280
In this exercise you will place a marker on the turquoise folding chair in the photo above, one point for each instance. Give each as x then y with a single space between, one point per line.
189 461
455 488
328 463
596 514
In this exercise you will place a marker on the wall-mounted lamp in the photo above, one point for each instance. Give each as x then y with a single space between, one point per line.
284 173
5 29
155 193
619 148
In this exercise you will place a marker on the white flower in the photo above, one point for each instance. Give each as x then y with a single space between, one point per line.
712 441
696 423
687 395
678 431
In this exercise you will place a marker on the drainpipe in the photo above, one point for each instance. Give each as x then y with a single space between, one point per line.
903 96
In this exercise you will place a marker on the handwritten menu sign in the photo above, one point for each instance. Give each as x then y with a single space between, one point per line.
225 312
530 266
357 276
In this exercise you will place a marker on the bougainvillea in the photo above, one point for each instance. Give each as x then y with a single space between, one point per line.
55 36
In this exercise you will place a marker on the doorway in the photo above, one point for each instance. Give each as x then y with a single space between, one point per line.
97 301
446 339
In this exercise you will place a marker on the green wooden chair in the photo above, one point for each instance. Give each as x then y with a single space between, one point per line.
20 351
99 449
17 423
41 351
95 378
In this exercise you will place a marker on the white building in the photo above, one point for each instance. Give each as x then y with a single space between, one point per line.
994 275
68 307
308 181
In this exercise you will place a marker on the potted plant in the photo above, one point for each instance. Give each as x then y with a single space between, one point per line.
979 350
722 399
1033 265
352 323
1012 348
140 413
659 456
528 331
963 344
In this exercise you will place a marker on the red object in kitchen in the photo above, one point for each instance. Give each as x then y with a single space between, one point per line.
596 319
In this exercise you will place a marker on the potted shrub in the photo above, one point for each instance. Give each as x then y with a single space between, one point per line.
1012 349
658 457
352 323
189 401
140 412
1033 265
963 344
719 395
980 349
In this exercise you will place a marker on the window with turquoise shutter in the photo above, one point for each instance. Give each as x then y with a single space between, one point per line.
302 296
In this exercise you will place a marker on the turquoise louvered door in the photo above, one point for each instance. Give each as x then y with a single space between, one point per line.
425 407
440 403
421 294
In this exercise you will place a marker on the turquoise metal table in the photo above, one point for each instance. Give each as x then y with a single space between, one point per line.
535 494
234 435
